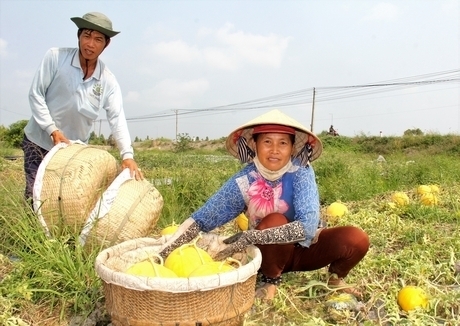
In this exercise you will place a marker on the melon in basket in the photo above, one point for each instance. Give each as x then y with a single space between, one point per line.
128 209
69 182
150 268
185 259
215 267
217 299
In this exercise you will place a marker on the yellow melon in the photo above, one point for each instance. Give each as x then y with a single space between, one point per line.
186 259
429 199
423 189
150 269
412 297
242 222
169 229
215 267
210 268
400 198
336 209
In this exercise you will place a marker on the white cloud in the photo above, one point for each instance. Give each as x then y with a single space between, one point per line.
174 94
262 50
383 11
177 51
227 49
221 59
450 8
132 96
3 46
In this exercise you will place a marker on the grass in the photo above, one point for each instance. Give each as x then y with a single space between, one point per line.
53 279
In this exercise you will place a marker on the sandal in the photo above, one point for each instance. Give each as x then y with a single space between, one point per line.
266 291
339 284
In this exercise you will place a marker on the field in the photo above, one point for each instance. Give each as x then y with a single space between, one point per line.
52 281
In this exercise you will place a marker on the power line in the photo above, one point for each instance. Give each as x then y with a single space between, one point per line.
303 96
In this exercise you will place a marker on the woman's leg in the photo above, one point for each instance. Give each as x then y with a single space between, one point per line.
274 258
342 248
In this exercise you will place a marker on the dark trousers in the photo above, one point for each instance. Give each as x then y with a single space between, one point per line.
340 248
33 156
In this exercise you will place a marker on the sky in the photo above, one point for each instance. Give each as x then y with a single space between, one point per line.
202 68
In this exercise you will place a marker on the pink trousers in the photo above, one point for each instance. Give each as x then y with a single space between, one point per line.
341 248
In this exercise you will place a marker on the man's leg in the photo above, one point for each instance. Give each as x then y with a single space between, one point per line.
33 156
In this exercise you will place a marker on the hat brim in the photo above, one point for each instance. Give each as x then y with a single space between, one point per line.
302 134
83 23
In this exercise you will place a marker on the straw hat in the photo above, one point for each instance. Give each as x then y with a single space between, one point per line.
240 140
95 21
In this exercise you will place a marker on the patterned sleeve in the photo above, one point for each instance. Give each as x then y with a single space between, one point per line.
306 202
226 204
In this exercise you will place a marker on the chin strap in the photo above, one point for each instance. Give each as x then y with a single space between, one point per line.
186 232
288 233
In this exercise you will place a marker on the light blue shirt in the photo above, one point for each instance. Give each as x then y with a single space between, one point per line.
61 100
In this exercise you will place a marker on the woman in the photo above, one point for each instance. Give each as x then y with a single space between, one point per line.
278 192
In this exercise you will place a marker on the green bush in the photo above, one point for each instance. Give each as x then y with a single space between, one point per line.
15 134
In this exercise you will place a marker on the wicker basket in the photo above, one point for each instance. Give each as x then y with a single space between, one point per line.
69 182
128 209
219 299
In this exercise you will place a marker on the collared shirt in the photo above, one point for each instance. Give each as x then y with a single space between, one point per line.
295 195
60 99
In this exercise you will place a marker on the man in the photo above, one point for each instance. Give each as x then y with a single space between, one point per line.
70 88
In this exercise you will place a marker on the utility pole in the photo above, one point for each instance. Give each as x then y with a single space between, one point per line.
312 110
177 122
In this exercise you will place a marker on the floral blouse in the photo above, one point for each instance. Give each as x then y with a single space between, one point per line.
295 195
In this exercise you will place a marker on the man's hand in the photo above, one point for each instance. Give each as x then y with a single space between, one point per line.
133 168
58 137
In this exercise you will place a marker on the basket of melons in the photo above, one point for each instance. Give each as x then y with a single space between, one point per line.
187 288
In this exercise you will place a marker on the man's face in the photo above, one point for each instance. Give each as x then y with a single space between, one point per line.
92 43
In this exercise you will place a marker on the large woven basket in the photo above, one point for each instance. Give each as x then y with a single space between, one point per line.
219 299
128 209
69 182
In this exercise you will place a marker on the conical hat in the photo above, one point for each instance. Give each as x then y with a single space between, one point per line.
302 134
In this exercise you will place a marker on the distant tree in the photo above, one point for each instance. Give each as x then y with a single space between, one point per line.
137 139
96 140
182 143
207 138
147 138
413 132
3 131
93 139
197 138
15 133
111 141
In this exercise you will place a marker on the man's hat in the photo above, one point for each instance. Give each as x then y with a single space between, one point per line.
95 21
303 136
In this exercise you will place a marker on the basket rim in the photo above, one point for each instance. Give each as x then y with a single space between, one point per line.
173 285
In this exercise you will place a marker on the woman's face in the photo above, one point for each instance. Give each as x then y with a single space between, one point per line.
274 150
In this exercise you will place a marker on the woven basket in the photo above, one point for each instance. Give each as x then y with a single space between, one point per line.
128 209
69 182
219 299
